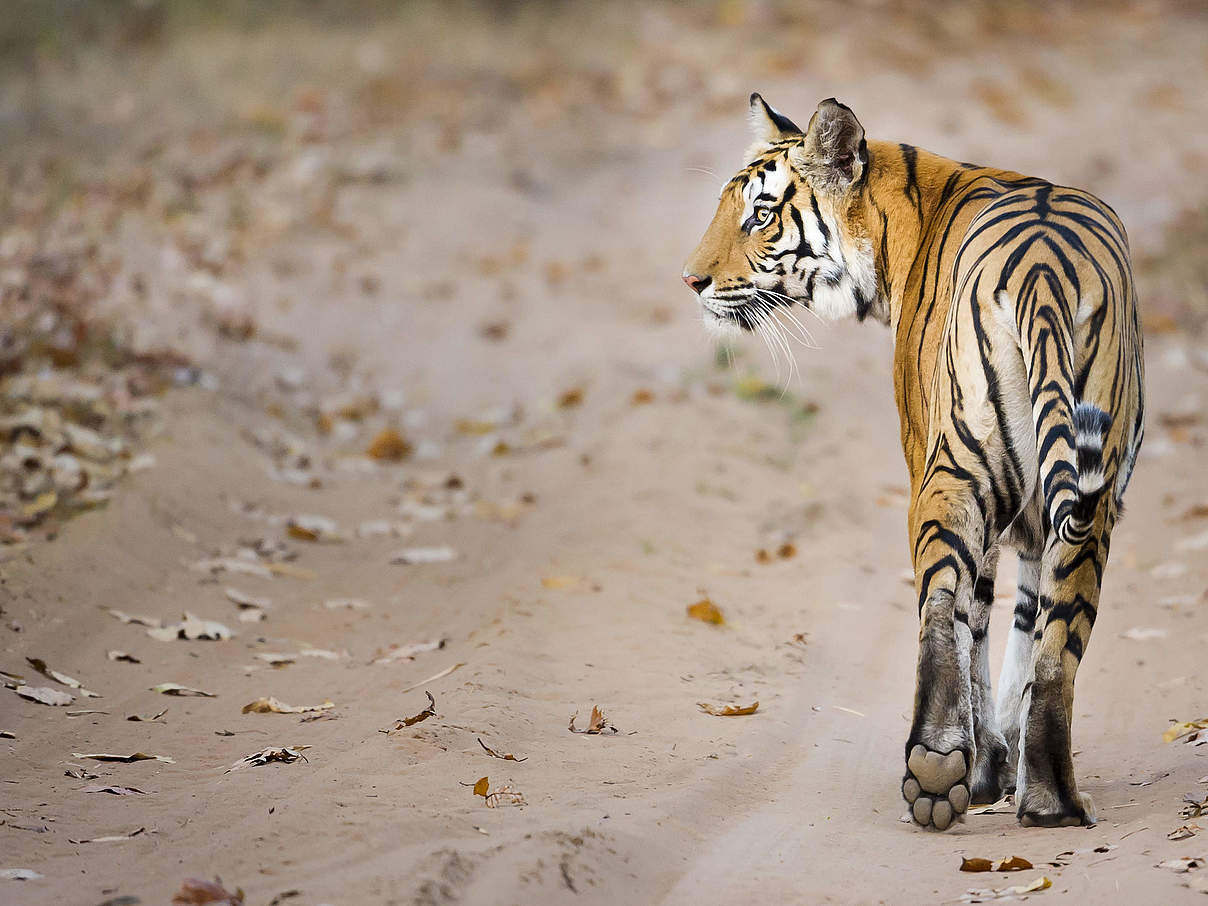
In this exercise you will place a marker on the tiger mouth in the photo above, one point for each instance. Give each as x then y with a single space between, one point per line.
739 312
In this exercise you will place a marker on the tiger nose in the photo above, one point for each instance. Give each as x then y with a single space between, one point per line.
696 283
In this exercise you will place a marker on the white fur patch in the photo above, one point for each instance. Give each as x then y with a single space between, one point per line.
1091 481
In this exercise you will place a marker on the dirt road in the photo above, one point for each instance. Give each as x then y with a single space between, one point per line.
515 315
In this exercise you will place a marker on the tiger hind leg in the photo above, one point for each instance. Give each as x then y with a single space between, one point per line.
1047 792
992 771
1017 661
940 749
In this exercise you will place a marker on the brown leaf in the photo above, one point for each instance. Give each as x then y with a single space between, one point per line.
568 399
596 725
195 892
177 689
728 710
707 612
1014 863
1184 728
506 756
40 665
112 838
271 705
390 446
976 865
423 715
145 718
123 657
641 397
481 786
1182 833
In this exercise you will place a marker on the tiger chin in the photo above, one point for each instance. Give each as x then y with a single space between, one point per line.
1019 380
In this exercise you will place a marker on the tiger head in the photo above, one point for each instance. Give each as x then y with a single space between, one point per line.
789 227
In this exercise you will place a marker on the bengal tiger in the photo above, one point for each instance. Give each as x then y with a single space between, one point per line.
1018 378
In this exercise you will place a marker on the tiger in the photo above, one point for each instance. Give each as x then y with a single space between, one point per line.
1018 379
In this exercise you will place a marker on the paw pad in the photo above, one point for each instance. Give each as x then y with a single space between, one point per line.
935 787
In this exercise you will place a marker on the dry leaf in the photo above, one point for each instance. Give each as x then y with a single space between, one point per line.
7 734
196 892
1014 863
414 555
45 695
390 446
407 652
641 397
123 657
976 864
115 790
1002 806
134 618
976 896
145 719
506 756
505 795
283 754
251 615
1183 729
217 565
125 759
85 712
276 659
190 628
434 677
244 601
177 689
40 665
481 786
79 772
273 706
18 874
568 399
728 710
596 725
402 722
1184 863
112 838
707 612
315 528
557 582
1182 833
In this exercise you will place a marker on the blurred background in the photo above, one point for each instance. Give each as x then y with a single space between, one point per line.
398 275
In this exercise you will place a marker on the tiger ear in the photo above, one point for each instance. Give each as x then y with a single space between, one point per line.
768 125
834 152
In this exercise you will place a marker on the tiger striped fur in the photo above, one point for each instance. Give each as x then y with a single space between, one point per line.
1018 377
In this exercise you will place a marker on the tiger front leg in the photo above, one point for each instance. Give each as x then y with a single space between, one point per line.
941 748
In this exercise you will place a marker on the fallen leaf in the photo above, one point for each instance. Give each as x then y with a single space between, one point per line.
570 398
481 786
79 772
244 601
728 710
429 711
125 759
641 397
40 665
123 657
115 790
1184 863
976 864
596 725
390 446
134 618
45 695
145 719
217 565
414 555
315 528
177 689
7 734
506 756
18 874
85 712
707 612
196 892
273 706
504 796
1001 893
190 628
434 677
1143 633
283 754
251 615
557 582
112 838
1182 833
276 659
407 652
1183 729
1002 806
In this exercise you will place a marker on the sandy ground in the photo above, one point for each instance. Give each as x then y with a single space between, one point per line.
609 474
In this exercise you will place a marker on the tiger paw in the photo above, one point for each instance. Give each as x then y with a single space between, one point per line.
1039 810
993 773
936 786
